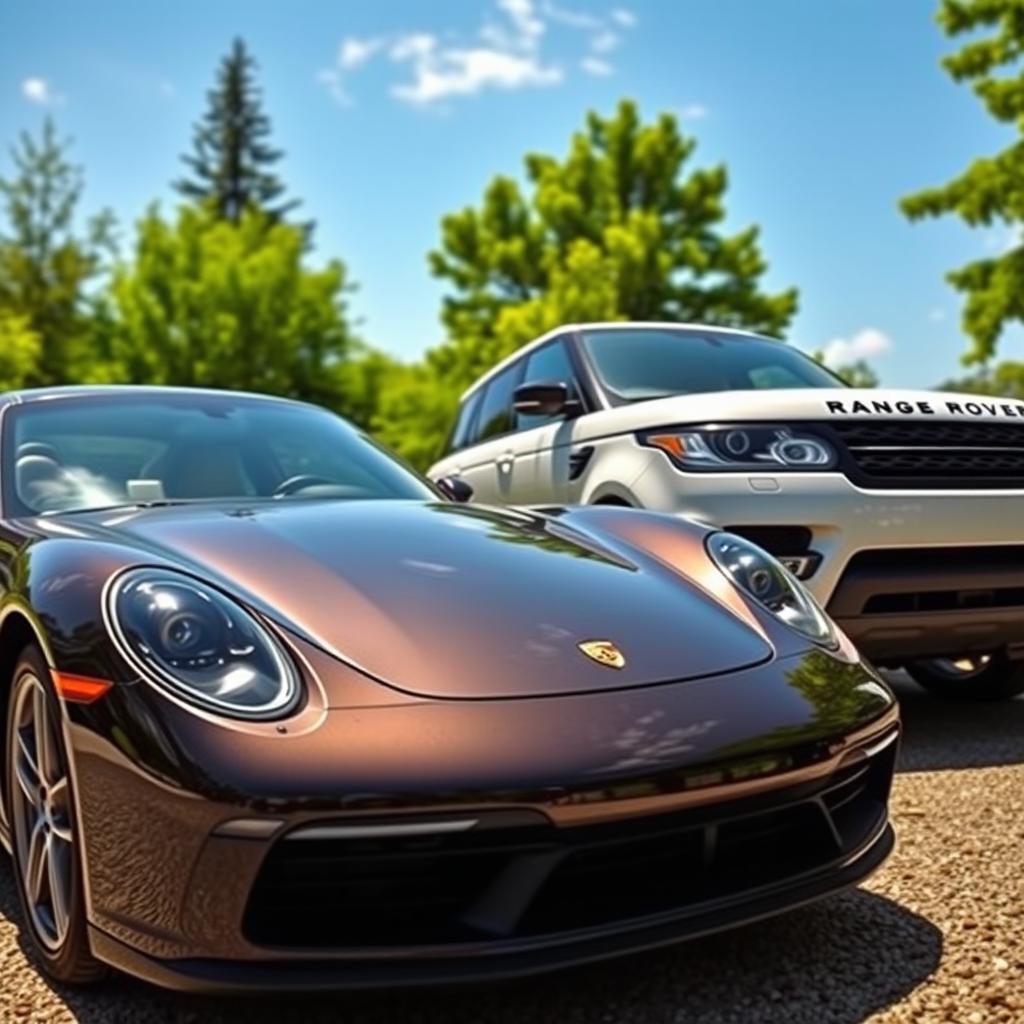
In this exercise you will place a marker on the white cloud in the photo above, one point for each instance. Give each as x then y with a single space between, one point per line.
693 112
509 51
596 66
331 79
438 74
604 42
867 343
527 25
1003 239
354 51
41 91
573 19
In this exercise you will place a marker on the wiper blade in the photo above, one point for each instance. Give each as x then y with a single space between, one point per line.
154 503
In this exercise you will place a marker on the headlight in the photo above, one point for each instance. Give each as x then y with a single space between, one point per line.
200 645
743 447
764 579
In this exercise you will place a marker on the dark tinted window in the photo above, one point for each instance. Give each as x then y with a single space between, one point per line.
496 409
650 363
548 363
460 434
98 451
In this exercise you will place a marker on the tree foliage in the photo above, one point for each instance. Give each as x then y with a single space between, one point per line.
232 159
991 190
46 264
621 228
207 302
1005 380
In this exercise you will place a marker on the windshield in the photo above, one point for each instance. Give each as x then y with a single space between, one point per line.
76 453
642 363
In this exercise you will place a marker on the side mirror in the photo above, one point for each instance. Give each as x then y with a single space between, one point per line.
455 489
543 398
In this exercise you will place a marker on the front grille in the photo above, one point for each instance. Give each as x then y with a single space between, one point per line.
895 581
537 880
896 453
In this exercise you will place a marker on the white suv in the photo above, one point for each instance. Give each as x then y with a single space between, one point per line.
903 511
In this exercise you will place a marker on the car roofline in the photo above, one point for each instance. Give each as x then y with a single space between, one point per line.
27 395
604 325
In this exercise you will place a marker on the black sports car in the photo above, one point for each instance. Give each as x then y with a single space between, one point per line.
279 714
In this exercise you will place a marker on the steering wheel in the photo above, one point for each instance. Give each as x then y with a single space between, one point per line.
300 482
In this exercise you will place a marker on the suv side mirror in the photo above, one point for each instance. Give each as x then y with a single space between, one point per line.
455 489
543 398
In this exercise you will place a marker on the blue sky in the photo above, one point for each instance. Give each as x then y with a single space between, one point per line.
396 112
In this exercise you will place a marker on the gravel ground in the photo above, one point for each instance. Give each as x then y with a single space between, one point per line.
936 936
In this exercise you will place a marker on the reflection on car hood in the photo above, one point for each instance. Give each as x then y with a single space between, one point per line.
454 601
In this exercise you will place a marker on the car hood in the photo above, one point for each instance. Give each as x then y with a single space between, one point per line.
453 601
802 404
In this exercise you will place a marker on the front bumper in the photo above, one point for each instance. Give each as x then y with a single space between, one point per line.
221 976
914 542
718 766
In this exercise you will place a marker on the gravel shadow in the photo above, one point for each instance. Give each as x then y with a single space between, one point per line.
835 962
942 734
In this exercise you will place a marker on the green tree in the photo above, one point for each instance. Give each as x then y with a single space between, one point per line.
232 159
20 349
991 190
619 229
1005 380
207 302
46 264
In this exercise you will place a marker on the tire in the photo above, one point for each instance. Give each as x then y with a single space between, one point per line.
990 677
44 833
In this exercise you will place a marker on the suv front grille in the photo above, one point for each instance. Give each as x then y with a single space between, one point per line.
897 453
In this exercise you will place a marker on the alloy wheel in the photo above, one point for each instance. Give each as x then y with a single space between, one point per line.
41 812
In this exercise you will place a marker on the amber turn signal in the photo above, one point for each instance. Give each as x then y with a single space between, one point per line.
80 689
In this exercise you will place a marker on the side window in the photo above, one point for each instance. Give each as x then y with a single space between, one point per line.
460 433
549 363
495 416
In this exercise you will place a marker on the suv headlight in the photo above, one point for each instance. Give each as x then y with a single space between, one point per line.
773 586
725 448
200 645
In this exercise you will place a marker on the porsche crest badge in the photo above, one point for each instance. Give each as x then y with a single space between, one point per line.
604 652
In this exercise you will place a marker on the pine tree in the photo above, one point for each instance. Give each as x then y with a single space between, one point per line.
232 156
49 263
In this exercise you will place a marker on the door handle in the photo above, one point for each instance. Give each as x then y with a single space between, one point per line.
505 462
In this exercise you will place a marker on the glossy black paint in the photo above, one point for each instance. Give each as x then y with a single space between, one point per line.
437 645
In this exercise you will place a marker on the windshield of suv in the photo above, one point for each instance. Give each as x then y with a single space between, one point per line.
76 453
643 363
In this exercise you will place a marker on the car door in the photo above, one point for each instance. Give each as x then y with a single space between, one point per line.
488 463
543 469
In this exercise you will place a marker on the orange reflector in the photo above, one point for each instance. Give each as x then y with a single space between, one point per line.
80 689
671 443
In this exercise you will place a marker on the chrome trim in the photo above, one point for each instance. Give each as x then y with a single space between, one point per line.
415 828
880 745
248 828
